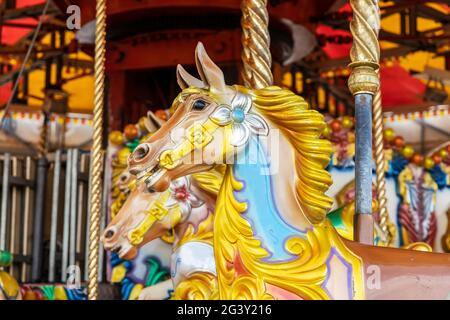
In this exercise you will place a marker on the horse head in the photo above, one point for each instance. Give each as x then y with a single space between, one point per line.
212 122
146 216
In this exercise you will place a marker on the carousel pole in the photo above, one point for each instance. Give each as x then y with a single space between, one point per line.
97 154
256 57
364 84
379 167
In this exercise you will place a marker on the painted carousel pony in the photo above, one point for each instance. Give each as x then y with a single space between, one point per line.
271 236
185 210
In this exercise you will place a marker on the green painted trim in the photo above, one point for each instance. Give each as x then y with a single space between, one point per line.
6 258
155 273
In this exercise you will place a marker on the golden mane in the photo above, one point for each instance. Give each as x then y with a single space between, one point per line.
303 128
210 181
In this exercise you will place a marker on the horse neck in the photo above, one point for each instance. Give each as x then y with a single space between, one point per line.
201 216
266 168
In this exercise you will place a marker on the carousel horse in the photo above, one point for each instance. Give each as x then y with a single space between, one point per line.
125 182
271 236
185 211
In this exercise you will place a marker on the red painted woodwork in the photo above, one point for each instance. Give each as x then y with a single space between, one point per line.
299 11
176 47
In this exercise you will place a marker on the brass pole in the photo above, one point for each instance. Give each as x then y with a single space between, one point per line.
97 154
379 167
364 84
256 57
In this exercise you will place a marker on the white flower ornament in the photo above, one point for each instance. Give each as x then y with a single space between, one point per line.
182 195
243 123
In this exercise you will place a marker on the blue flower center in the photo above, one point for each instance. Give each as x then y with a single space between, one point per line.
238 115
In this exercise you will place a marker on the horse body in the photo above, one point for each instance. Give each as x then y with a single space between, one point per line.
391 273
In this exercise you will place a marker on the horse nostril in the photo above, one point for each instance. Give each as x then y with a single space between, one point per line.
141 151
109 234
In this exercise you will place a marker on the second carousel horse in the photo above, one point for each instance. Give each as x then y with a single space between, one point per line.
186 210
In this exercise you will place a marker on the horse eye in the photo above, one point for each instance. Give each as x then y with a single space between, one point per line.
199 105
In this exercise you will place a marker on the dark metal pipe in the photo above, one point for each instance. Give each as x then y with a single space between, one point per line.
363 165
38 221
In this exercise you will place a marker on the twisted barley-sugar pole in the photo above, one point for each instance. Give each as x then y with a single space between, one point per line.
364 84
97 154
379 167
256 57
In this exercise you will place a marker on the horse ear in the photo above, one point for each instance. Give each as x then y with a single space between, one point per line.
152 122
210 73
185 80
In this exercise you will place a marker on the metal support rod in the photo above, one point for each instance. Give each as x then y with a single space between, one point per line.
5 199
88 219
364 83
27 218
106 181
38 221
73 208
54 216
66 229
363 165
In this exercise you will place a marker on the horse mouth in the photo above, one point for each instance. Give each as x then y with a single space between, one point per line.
124 251
151 175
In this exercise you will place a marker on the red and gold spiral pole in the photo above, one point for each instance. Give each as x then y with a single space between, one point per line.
97 152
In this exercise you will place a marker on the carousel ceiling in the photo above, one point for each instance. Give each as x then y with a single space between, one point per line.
414 40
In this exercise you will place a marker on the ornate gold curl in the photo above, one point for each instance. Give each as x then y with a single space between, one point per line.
200 286
256 56
203 233
97 153
233 239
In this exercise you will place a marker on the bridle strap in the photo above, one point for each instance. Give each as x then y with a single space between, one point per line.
156 212
197 137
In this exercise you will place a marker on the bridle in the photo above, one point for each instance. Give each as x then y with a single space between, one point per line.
156 212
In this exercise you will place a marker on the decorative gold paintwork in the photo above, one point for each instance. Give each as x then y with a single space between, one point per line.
419 246
303 276
365 52
9 286
199 286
